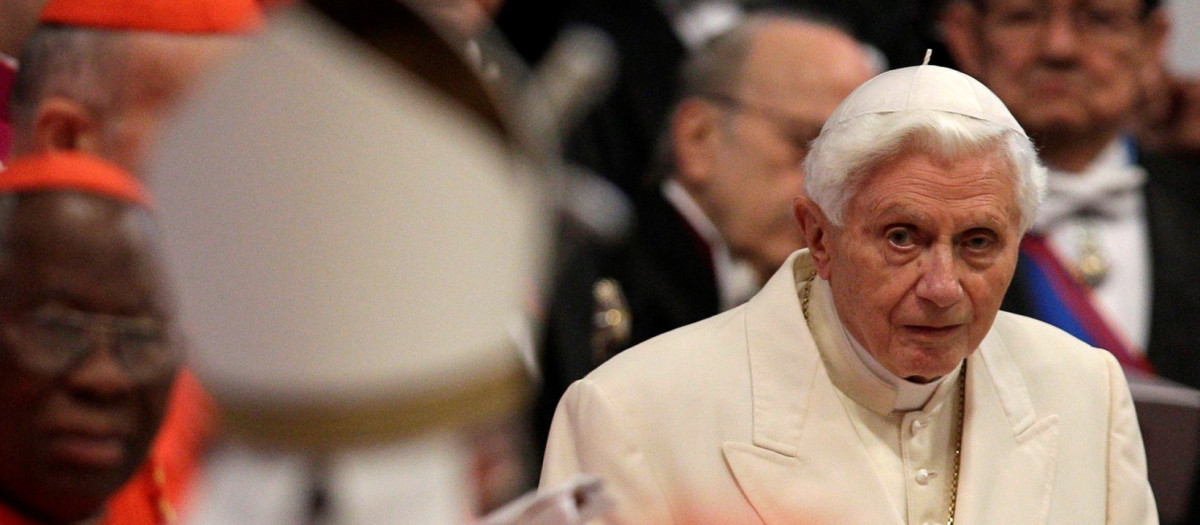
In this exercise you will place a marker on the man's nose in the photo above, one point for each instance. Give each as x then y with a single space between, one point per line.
101 375
939 282
1060 34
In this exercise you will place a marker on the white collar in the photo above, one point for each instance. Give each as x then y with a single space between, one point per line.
855 372
1107 188
909 395
736 280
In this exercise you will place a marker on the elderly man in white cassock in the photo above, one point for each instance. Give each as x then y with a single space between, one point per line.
873 380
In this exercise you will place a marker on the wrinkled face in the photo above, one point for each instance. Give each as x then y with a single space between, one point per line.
71 438
795 77
922 262
1066 67
164 68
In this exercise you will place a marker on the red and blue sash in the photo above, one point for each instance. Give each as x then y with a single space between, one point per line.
1058 297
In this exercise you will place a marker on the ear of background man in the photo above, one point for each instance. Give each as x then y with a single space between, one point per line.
64 124
695 127
1154 38
960 32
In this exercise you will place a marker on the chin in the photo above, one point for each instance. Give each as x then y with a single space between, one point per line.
925 367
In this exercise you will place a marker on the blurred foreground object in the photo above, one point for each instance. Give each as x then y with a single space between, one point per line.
355 250
579 500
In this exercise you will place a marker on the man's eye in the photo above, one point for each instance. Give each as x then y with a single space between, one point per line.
1018 16
978 242
900 237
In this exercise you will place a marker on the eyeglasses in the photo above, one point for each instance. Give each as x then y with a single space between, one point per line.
54 340
1103 25
797 131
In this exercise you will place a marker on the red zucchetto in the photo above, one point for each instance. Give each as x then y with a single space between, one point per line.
167 16
71 171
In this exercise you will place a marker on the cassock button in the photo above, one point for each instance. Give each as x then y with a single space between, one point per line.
923 476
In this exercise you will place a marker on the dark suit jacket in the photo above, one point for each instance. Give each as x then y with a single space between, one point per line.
665 272
1173 217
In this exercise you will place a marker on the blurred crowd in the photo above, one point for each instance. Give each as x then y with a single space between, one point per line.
337 261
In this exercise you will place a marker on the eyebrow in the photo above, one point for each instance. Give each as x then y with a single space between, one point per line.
905 213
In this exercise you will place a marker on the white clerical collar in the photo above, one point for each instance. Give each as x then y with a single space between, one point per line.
736 280
909 395
850 365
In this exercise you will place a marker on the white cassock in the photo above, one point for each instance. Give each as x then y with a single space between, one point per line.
750 417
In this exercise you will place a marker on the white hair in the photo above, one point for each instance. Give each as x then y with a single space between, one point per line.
844 155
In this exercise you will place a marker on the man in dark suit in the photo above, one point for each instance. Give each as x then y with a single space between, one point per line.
718 222
1115 250
1114 253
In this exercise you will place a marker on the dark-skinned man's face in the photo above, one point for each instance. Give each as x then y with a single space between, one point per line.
86 355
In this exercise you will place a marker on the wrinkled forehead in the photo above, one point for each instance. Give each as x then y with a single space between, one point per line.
978 186
982 168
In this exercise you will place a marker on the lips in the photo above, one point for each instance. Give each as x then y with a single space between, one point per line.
934 331
90 451
1053 84
89 444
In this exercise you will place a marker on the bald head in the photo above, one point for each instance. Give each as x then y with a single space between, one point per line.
790 57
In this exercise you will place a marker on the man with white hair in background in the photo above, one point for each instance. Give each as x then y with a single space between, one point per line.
873 380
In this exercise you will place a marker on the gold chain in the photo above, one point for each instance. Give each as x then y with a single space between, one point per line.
808 282
962 403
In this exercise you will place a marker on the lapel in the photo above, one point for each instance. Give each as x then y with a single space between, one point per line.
1009 451
786 472
804 458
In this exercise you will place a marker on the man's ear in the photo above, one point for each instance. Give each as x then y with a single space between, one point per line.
1154 40
960 24
63 124
695 126
817 230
